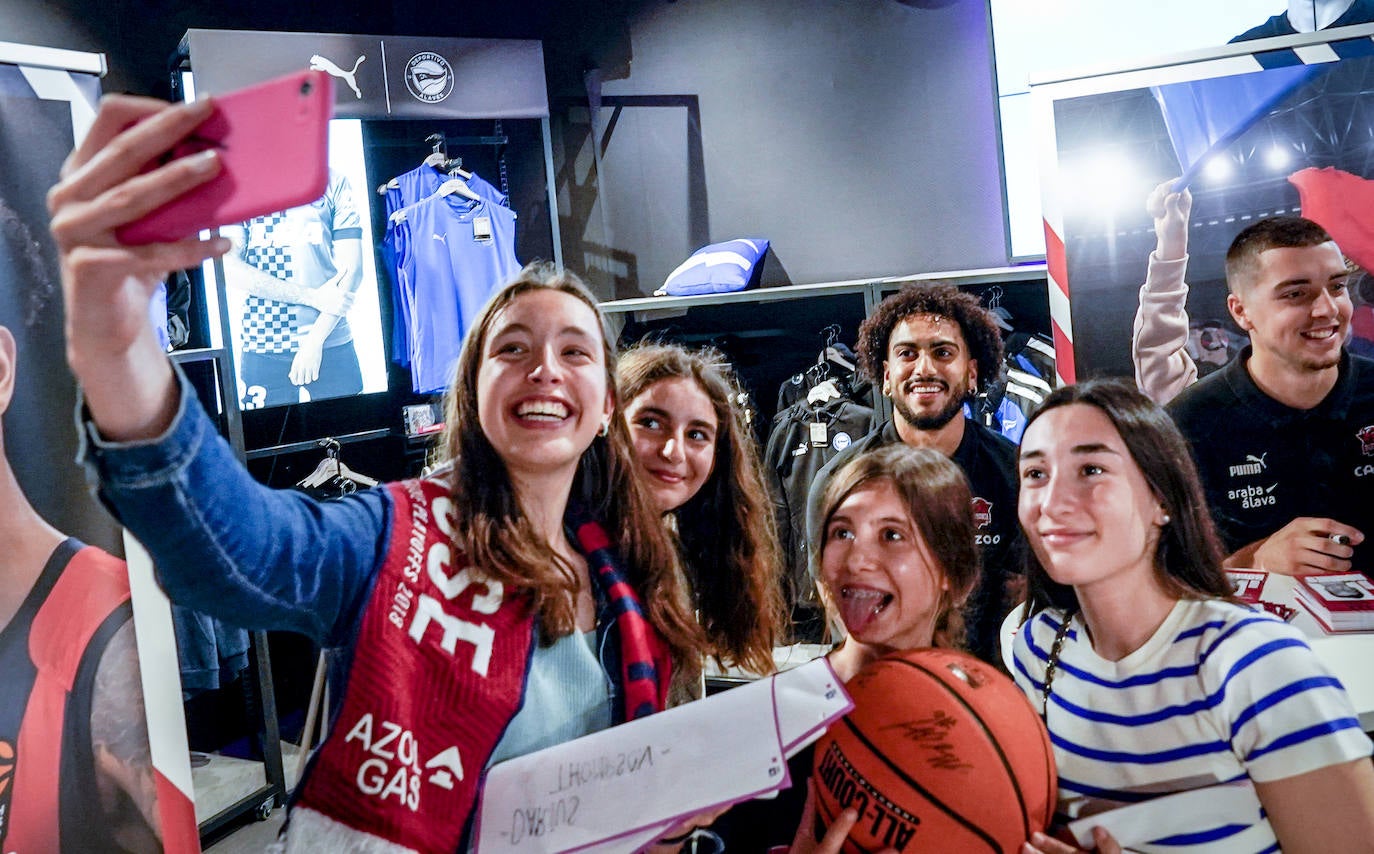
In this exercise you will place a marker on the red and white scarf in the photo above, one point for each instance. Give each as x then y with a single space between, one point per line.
438 672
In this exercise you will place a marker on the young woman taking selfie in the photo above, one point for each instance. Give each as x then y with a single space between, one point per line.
524 595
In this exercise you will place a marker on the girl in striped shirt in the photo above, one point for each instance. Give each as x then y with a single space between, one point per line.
1151 679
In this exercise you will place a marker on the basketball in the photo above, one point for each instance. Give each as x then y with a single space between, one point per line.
941 753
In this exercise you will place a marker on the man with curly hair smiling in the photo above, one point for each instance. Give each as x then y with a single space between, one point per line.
931 348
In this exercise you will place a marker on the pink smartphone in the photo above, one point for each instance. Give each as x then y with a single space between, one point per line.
273 140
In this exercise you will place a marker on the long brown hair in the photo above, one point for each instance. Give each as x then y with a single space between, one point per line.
935 493
1188 556
496 536
728 532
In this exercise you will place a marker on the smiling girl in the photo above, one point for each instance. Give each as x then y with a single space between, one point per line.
1151 680
699 461
523 596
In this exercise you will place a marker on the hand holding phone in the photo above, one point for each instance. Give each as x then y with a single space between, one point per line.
273 144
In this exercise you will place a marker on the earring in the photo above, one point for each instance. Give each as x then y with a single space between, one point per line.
1165 519
605 429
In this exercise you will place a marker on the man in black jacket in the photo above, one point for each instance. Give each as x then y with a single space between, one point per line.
932 348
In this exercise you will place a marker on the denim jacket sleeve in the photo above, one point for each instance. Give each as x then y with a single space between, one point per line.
226 545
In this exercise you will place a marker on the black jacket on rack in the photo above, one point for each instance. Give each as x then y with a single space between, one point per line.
850 384
796 451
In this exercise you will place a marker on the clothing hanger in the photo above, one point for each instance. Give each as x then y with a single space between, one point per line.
438 144
354 477
332 468
818 373
456 186
329 467
437 159
836 354
830 354
455 168
1000 315
831 334
453 186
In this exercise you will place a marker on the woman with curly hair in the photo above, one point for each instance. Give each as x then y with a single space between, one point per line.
701 464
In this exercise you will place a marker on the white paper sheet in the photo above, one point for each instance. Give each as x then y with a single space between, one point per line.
619 789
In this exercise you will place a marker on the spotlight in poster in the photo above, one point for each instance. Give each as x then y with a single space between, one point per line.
302 293
1149 173
1034 40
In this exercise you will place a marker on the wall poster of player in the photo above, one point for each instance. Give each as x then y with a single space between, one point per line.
90 758
302 292
1148 174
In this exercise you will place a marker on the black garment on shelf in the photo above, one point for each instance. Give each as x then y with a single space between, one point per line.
793 390
989 462
178 308
796 451
849 383
210 653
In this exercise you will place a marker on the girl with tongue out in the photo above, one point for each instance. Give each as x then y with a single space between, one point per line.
897 553
897 561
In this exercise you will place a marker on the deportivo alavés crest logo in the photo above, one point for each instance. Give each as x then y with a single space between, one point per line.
429 77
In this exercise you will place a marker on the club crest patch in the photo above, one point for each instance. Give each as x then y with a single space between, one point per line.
982 512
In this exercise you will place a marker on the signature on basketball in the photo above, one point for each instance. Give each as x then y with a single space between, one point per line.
932 735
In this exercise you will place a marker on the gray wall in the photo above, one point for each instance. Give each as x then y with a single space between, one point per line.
858 136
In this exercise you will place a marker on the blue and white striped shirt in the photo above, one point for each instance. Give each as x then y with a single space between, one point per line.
1218 693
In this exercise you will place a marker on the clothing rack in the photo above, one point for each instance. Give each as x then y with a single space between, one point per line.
492 140
314 444
261 800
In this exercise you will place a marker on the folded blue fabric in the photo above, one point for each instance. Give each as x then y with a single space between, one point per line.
716 269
